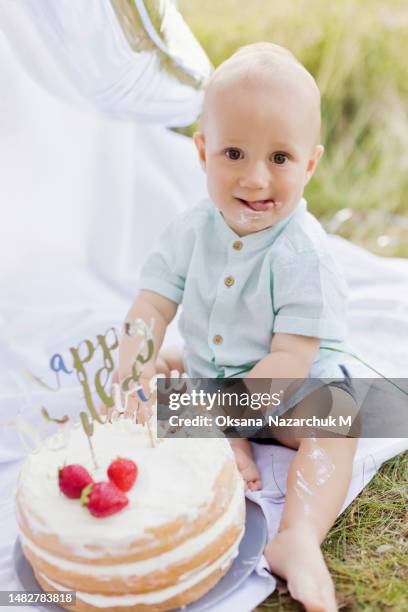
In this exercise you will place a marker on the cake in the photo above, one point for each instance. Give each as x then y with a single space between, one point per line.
172 543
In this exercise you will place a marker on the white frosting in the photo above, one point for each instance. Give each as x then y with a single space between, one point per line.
141 568
108 601
175 479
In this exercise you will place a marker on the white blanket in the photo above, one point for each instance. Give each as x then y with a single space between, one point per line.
83 197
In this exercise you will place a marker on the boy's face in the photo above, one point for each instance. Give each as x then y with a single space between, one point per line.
258 151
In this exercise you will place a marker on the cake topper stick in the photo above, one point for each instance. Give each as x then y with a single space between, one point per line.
89 429
146 413
119 408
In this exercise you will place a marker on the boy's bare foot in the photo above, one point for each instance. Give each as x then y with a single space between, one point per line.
294 554
245 463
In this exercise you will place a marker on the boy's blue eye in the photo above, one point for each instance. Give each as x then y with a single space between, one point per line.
233 153
280 158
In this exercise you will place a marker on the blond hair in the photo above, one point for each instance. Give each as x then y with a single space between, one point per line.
261 61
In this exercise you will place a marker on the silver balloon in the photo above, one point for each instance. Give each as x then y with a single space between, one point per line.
132 58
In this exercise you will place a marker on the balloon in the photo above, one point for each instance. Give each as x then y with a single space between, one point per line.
131 58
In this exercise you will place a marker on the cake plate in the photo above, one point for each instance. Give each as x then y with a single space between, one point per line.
250 551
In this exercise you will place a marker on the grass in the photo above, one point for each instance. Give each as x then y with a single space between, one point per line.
357 51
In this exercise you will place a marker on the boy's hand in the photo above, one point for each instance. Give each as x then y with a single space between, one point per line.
135 406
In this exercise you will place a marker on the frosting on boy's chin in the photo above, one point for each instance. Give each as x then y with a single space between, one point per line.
246 217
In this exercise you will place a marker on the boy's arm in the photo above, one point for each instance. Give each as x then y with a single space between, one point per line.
147 306
291 356
290 359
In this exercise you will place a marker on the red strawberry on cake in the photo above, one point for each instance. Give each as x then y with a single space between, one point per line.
72 479
103 499
123 473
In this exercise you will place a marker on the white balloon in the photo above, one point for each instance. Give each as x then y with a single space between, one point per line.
131 58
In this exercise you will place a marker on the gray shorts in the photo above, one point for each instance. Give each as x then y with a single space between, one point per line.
308 387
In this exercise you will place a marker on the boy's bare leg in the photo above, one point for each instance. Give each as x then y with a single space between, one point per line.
318 481
245 462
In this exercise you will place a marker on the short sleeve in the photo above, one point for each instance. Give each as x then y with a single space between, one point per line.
309 297
165 269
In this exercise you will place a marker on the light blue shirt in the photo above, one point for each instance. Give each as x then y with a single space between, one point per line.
238 291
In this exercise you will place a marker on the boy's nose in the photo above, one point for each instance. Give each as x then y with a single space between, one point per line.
255 177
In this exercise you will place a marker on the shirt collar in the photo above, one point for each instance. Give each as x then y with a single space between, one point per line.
257 240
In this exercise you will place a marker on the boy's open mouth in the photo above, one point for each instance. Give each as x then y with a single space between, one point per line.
258 205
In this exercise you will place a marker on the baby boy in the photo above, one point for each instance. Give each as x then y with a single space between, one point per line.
261 296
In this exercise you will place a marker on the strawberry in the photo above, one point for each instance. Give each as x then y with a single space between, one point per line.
123 473
103 499
72 479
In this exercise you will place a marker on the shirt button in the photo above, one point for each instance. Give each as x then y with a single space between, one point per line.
229 281
217 339
237 245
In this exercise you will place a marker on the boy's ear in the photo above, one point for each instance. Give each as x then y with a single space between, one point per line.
318 151
199 142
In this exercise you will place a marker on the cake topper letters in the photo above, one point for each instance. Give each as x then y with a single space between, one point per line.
116 400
